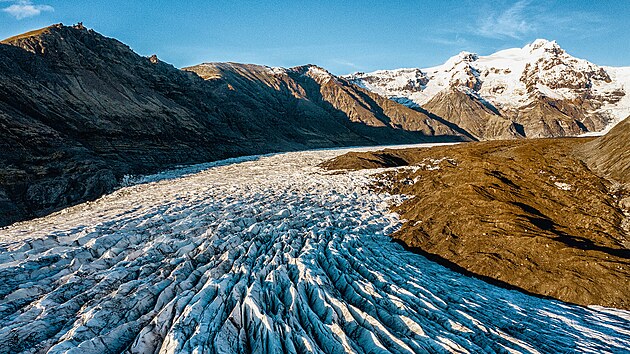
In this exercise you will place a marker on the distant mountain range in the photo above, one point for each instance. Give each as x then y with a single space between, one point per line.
79 111
535 91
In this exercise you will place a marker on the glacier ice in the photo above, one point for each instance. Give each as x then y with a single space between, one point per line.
265 254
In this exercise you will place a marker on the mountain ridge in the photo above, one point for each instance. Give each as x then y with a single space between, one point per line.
79 111
539 81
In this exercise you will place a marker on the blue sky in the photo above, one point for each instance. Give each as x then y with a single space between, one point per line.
342 36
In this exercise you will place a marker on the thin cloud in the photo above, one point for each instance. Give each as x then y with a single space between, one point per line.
523 19
455 41
24 8
345 63
513 22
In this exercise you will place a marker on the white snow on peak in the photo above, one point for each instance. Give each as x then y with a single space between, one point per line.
541 43
398 83
463 56
315 72
620 110
268 254
276 70
510 79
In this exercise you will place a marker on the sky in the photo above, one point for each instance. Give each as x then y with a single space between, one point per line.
341 36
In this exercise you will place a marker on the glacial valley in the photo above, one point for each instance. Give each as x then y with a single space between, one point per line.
262 254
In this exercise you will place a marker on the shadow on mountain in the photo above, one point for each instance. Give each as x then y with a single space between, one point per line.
79 112
451 125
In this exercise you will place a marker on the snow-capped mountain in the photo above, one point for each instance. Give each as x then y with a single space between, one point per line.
524 86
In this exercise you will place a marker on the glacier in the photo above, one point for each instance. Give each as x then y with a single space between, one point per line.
261 254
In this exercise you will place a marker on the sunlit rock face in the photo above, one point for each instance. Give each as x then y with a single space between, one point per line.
267 254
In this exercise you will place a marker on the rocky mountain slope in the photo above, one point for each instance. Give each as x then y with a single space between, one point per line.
78 111
311 90
610 154
535 91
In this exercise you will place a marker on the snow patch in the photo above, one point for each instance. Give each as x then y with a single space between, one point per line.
563 186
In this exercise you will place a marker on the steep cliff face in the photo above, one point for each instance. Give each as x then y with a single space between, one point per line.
78 111
539 87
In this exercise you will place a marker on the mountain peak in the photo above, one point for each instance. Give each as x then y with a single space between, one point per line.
545 44
52 29
516 80
308 67
461 57
67 44
313 71
468 56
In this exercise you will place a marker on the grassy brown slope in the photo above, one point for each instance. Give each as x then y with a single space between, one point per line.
497 210
610 154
